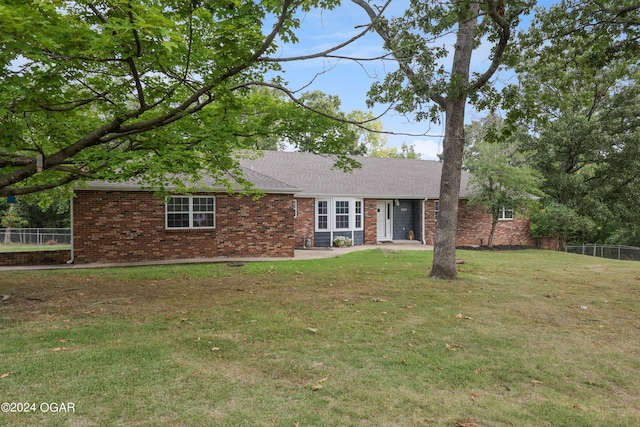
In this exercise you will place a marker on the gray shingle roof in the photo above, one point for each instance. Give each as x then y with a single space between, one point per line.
265 183
312 175
377 178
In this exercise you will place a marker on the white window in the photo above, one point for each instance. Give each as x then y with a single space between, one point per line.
339 214
322 215
436 208
295 208
342 215
191 212
505 213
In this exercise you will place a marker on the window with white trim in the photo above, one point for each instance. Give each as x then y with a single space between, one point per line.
436 208
358 215
184 212
339 214
322 214
342 215
505 213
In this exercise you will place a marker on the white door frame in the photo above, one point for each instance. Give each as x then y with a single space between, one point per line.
384 220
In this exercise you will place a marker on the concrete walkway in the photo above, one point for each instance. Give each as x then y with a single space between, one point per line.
299 254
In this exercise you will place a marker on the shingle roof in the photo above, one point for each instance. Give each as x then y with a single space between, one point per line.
312 175
377 178
265 183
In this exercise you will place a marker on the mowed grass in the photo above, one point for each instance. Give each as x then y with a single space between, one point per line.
17 247
524 338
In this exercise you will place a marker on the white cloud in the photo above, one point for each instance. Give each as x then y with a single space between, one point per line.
428 148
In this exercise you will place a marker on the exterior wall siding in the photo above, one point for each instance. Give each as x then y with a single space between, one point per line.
474 226
406 217
115 226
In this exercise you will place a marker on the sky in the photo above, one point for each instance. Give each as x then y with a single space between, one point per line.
351 80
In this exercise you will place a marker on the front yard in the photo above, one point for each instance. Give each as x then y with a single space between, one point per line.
526 338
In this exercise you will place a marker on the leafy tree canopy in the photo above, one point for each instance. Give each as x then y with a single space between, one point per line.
151 89
579 98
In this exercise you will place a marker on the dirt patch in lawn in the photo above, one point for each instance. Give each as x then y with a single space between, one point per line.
82 296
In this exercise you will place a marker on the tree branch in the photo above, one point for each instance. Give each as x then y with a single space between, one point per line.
376 20
496 12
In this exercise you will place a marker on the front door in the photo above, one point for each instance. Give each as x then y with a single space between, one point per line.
385 220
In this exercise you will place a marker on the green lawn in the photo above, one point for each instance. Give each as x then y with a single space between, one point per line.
16 247
524 338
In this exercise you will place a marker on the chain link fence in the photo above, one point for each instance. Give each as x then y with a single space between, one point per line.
621 252
35 236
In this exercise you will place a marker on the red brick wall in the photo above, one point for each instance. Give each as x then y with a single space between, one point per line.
305 221
429 222
116 226
474 226
35 257
370 221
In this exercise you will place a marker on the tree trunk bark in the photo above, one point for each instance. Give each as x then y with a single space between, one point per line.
444 256
494 222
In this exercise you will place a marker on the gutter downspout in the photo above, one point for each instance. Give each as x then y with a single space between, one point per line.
424 225
72 234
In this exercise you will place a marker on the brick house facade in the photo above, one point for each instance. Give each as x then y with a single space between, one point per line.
116 226
474 227
306 202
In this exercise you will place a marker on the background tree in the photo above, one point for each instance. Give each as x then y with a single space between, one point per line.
558 220
11 219
423 86
578 95
404 152
500 177
101 90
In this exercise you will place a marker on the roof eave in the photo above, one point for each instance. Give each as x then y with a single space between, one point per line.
106 186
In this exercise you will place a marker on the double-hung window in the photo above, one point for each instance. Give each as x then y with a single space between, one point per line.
358 215
342 215
322 215
191 212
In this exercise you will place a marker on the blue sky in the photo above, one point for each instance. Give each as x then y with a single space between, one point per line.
351 81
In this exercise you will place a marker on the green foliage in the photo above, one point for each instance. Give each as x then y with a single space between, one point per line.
578 96
556 219
149 90
500 176
420 41
12 218
405 152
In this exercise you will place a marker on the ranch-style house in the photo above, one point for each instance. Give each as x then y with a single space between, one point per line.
307 203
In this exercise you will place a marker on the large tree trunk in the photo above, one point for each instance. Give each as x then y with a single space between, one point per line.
444 256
